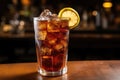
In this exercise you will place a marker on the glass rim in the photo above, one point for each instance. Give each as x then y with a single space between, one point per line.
61 18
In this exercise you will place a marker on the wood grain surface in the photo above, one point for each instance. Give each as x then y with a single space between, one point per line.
77 70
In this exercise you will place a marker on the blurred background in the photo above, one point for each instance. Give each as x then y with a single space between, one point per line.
97 37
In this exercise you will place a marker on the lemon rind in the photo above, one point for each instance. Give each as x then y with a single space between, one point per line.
74 11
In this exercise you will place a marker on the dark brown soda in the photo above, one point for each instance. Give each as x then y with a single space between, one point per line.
52 50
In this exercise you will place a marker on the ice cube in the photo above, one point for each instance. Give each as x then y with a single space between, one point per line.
51 38
64 24
54 15
64 43
42 25
58 47
52 28
45 51
52 41
45 14
42 35
63 35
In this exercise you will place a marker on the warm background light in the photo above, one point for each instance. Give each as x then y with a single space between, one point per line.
107 4
26 2
94 13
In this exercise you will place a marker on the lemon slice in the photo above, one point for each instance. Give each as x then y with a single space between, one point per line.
72 14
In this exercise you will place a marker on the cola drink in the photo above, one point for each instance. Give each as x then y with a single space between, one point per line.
51 38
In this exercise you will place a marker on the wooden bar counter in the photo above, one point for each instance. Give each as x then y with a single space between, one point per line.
77 70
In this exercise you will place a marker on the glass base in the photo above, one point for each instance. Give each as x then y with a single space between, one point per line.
56 73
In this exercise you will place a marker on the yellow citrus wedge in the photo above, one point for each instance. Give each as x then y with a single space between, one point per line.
72 14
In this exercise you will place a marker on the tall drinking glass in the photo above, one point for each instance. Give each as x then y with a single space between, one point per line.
51 38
